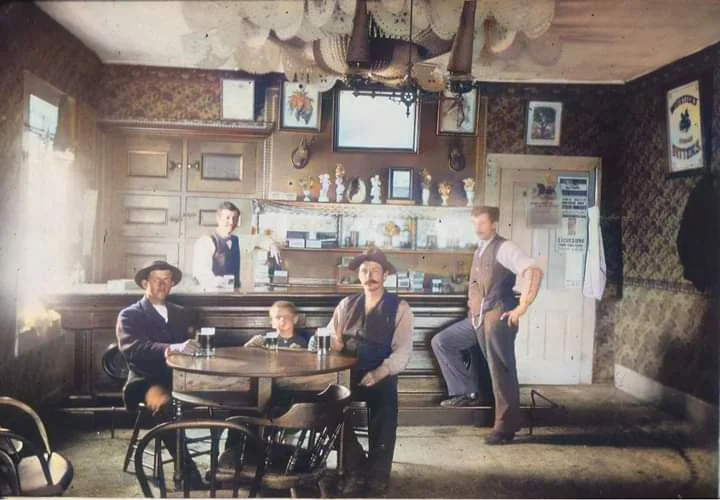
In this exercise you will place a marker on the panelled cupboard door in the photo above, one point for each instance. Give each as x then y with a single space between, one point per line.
147 163
199 215
134 255
138 215
224 167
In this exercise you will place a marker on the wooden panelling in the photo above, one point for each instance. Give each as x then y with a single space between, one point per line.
147 163
136 255
224 167
148 216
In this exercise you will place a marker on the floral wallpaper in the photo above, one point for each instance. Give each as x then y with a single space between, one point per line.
30 41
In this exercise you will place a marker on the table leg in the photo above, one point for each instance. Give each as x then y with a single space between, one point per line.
264 393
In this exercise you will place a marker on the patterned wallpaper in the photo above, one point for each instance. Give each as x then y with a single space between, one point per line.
144 92
661 327
29 41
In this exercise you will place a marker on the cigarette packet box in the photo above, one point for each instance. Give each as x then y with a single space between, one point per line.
296 242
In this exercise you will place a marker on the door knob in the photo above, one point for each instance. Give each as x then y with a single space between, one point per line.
194 165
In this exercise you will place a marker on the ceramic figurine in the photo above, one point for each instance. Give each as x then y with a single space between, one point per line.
469 190
375 190
426 184
444 189
339 179
324 186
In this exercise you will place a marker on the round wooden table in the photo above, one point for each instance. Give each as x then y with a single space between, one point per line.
251 371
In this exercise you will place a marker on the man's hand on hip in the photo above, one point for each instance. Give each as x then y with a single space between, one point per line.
513 317
373 377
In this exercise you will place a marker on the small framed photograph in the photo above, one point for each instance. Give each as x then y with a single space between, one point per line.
300 107
238 100
457 113
544 120
400 184
684 129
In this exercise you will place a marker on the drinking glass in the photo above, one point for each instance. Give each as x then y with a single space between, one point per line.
271 341
206 340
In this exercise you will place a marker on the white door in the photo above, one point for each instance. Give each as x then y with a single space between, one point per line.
541 199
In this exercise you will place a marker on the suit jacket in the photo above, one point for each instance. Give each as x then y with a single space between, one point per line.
142 337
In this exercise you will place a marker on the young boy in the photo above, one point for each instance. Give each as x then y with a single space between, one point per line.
284 317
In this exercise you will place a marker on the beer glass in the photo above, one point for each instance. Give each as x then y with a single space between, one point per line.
271 341
206 340
322 337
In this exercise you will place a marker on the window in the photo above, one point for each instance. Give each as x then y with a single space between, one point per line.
44 261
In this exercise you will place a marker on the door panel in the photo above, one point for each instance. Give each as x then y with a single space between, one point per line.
554 343
147 163
148 216
224 167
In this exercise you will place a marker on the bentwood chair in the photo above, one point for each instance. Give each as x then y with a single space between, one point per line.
216 429
295 444
9 480
38 470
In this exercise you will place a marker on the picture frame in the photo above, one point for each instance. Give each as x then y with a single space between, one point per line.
300 107
401 182
374 121
544 123
686 140
458 113
238 99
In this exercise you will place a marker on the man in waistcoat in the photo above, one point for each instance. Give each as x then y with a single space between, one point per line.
493 316
377 327
217 255
146 332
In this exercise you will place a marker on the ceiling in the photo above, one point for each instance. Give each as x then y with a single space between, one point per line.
589 41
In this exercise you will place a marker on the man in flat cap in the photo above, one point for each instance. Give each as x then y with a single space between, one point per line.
377 327
146 332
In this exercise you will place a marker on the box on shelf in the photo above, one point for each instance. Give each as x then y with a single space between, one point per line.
321 236
296 242
281 278
321 243
296 234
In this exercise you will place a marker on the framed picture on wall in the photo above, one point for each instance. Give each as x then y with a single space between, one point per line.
300 107
457 113
544 121
684 129
400 185
238 100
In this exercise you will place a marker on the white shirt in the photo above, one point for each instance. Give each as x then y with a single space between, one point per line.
162 310
509 255
202 266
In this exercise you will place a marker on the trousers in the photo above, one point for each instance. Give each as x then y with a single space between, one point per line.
498 349
382 402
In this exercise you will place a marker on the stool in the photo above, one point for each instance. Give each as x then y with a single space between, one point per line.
115 367
533 405
358 417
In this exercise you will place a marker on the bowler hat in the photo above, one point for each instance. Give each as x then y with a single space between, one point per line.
372 254
158 265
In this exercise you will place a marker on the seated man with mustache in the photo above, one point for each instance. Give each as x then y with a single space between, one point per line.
377 327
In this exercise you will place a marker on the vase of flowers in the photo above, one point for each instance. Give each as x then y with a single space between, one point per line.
469 184
444 189
306 183
426 184
392 233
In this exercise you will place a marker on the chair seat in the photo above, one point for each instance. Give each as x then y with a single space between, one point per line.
32 479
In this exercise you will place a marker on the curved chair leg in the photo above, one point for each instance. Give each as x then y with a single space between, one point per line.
133 440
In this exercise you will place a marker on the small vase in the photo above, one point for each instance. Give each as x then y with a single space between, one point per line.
307 195
470 197
445 199
425 197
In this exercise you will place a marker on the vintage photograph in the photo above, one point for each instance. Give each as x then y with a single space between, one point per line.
544 121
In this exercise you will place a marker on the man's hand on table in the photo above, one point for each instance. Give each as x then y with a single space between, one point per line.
179 347
256 341
373 377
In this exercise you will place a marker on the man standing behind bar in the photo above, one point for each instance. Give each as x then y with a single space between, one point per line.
377 327
493 317
218 254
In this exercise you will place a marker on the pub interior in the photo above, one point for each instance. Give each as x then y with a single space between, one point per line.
334 127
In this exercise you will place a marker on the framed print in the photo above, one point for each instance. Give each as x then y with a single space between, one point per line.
544 120
300 109
238 99
684 126
400 184
377 122
457 113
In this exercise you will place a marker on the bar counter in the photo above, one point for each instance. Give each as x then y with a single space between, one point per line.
90 312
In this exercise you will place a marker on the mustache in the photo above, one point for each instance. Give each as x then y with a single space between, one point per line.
371 282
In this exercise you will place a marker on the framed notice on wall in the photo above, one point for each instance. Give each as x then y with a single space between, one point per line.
684 126
238 100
